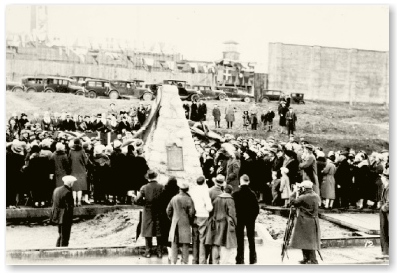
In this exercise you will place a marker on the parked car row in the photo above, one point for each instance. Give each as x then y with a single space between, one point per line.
87 86
124 89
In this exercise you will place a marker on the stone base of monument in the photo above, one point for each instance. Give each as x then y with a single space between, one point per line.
170 149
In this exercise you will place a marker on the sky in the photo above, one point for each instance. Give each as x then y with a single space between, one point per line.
198 31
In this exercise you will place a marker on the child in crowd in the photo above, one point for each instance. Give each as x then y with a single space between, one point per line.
246 119
275 188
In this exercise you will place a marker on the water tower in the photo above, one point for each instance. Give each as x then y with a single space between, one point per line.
230 50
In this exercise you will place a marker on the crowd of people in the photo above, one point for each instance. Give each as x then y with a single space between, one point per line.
40 151
343 179
197 111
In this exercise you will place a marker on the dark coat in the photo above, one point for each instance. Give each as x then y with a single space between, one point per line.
247 167
151 223
306 232
269 116
194 112
78 159
141 114
38 171
214 192
141 169
344 175
246 204
68 125
123 125
61 167
181 212
202 112
14 163
216 112
101 175
119 173
362 181
232 173
98 126
136 126
221 225
282 115
291 119
62 210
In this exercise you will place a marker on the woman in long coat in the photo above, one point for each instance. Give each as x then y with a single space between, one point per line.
149 196
306 233
282 110
38 172
328 184
61 165
101 174
221 228
229 115
78 160
181 212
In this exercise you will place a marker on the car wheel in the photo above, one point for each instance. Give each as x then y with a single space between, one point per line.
147 97
80 93
30 90
92 94
221 97
113 95
17 90
49 91
247 99
194 98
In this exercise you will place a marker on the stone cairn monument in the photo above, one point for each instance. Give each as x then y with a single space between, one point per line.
170 148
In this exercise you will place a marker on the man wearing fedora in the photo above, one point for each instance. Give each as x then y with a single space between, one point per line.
216 190
384 215
181 212
291 119
151 223
247 209
63 209
308 166
306 232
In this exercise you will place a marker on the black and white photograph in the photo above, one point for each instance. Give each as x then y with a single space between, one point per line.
197 134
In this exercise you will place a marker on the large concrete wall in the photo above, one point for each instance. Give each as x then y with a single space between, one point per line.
333 74
16 68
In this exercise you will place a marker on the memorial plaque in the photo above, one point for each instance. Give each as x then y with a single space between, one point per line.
175 158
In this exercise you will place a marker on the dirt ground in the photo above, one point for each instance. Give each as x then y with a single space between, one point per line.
115 228
276 226
118 228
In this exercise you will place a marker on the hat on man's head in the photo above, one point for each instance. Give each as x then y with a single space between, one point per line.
17 148
98 115
219 180
306 184
151 174
245 178
117 144
183 184
77 141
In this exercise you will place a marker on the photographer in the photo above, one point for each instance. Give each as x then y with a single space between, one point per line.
306 233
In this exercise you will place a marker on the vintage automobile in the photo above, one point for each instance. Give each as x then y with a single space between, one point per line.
297 98
30 84
185 92
271 95
94 88
61 85
235 93
132 89
210 93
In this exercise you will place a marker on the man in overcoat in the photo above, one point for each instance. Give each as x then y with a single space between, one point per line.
306 233
308 166
291 119
232 171
216 112
202 110
63 210
151 194
384 215
247 210
181 212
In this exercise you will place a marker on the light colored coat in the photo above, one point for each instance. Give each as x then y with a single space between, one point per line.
181 212
201 199
285 187
328 182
